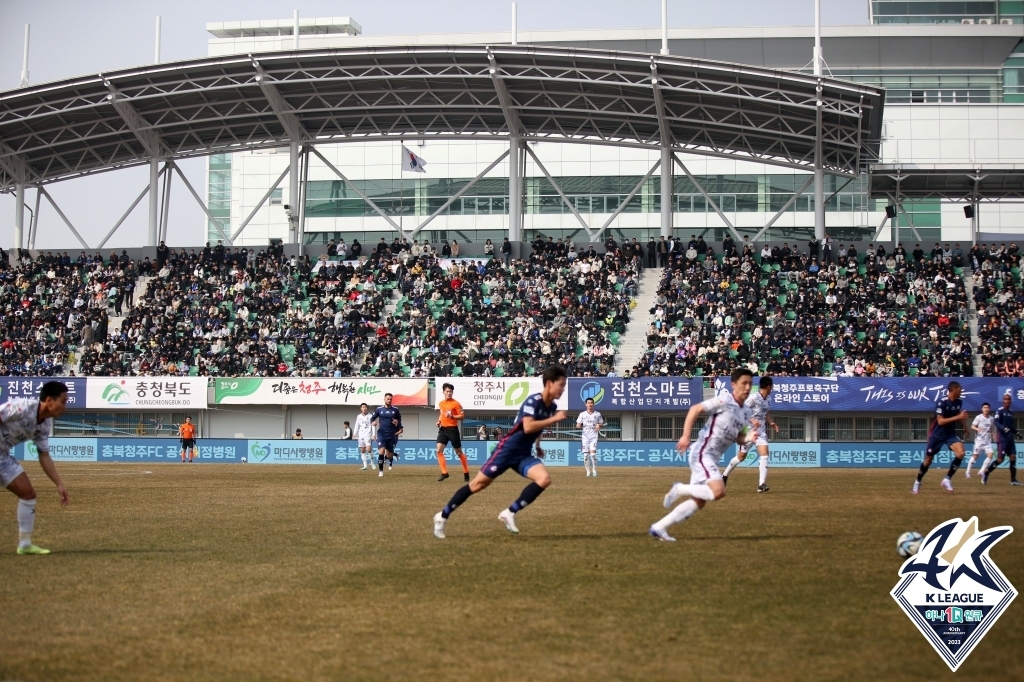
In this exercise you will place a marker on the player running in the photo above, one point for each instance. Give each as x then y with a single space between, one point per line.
364 436
948 411
30 419
449 430
1006 431
759 405
515 451
590 422
187 434
982 424
388 421
727 425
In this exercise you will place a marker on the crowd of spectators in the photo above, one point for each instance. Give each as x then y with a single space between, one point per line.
783 312
999 298
483 317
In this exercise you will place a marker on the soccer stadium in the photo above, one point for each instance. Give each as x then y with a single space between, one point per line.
639 267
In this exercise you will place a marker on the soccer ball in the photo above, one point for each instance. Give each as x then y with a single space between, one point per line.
909 543
244 460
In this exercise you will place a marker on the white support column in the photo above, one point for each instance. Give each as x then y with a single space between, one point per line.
293 188
515 191
156 53
515 25
667 193
154 202
24 57
19 215
295 30
166 212
301 229
664 40
819 173
33 229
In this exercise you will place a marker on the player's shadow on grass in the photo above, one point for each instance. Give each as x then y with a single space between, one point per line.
795 536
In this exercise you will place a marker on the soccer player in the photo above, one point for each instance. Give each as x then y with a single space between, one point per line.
759 405
982 424
728 421
187 434
364 436
515 451
1006 431
948 411
388 421
30 419
589 422
449 430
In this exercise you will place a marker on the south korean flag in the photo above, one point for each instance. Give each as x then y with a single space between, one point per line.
411 162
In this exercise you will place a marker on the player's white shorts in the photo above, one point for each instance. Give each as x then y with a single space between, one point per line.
986 448
365 442
589 444
10 469
760 438
703 468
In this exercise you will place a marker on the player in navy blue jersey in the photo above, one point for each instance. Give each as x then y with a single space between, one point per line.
1006 431
516 451
948 411
389 427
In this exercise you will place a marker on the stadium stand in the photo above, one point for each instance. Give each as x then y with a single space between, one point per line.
999 297
782 312
481 317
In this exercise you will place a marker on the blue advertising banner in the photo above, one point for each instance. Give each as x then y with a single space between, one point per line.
648 394
287 451
822 394
28 387
422 452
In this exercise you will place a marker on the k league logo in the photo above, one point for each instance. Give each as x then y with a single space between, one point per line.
951 589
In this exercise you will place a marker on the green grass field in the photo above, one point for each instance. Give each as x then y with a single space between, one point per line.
178 572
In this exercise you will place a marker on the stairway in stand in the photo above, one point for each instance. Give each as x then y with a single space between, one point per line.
633 342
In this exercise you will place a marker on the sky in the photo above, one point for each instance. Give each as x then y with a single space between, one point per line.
71 38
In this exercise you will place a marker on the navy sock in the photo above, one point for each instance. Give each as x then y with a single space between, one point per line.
460 497
922 472
992 466
529 494
954 466
380 462
1013 471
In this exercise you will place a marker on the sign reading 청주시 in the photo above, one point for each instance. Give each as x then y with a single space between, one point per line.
499 394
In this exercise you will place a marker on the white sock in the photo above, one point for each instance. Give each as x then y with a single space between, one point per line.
586 463
26 520
988 461
700 492
733 463
680 513
593 463
970 462
762 468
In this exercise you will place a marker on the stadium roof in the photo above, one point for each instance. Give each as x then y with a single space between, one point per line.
234 103
991 182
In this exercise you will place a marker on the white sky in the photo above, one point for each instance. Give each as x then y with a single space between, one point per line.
75 37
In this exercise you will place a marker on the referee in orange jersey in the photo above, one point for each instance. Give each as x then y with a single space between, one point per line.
187 433
449 430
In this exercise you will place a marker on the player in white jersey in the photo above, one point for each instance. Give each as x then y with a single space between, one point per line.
759 405
983 440
363 434
22 420
590 423
728 424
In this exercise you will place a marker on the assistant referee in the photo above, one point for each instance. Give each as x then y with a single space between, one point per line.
449 430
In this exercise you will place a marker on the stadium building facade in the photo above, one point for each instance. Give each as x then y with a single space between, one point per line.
953 94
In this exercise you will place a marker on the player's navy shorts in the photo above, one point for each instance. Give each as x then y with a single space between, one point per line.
505 457
1007 447
389 443
188 443
936 444
450 434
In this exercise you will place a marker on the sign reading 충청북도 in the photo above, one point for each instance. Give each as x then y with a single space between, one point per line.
145 393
